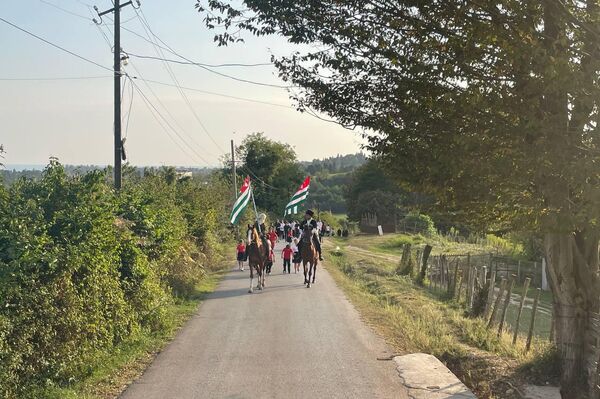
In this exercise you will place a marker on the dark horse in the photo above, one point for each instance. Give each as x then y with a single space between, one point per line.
258 255
308 254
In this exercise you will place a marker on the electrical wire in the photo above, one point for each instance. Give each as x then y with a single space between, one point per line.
153 107
130 108
149 32
170 49
199 63
221 94
59 78
65 10
54 45
164 107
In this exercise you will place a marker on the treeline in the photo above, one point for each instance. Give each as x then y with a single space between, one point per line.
83 268
8 176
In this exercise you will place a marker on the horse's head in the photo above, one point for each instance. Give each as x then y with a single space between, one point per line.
307 234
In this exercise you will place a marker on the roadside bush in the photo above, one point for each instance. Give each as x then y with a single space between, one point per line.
82 269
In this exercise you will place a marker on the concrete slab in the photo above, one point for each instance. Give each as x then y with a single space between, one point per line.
541 392
427 378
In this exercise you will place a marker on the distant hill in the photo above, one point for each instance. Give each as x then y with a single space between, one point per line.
331 176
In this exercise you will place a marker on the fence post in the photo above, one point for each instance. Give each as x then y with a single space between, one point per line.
532 325
497 302
474 279
424 259
523 297
455 277
459 281
490 298
506 303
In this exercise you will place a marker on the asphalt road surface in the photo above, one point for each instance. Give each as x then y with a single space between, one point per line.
287 341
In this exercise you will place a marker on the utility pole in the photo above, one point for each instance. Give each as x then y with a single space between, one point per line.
118 150
235 192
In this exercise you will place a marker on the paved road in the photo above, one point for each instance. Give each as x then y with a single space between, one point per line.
285 342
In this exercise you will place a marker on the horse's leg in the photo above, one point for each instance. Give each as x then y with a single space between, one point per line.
264 278
251 278
261 272
309 273
304 266
315 270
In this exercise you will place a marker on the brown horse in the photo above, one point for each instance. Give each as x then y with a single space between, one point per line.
309 254
258 254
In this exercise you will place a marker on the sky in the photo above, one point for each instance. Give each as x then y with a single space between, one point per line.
73 119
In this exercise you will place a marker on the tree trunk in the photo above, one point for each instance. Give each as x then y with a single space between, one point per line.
573 266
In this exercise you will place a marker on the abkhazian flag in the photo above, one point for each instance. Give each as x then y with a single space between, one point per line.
242 202
298 199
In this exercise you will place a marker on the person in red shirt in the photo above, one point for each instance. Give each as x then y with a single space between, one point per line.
272 237
241 254
286 254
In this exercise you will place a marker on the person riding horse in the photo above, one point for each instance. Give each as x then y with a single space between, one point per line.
308 220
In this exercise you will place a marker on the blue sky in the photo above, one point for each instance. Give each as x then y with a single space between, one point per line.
72 119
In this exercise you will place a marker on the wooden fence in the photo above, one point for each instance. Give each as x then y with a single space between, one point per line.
497 289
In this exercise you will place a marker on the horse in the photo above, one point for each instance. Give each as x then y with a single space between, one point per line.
258 255
308 254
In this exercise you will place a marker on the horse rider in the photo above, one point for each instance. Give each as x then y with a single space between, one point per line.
308 220
262 230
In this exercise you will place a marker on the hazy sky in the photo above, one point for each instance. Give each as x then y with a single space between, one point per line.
73 119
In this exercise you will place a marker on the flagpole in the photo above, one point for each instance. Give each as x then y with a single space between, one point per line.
255 212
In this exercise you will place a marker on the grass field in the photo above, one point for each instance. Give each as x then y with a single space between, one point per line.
416 319
392 244
388 249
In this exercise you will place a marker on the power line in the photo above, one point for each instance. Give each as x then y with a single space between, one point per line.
221 94
170 49
55 45
149 103
55 78
152 110
140 77
145 25
65 10
199 63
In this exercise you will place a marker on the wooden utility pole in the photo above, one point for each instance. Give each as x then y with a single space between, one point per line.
118 150
235 191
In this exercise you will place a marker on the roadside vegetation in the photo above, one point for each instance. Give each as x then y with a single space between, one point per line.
414 319
91 280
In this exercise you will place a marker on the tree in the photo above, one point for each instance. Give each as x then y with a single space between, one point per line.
274 169
371 191
491 106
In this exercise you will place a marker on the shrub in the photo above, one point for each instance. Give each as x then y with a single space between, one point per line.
421 222
82 269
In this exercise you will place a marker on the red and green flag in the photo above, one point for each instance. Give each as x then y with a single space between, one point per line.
242 201
298 198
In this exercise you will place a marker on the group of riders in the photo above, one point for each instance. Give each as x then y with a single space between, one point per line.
291 232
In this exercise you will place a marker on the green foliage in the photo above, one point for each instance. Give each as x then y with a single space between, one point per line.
82 269
422 223
331 220
274 169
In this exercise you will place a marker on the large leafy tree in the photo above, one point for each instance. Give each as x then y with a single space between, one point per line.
273 168
492 106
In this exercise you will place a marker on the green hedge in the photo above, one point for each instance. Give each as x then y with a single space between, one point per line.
82 268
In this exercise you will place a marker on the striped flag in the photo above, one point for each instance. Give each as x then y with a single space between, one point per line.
242 202
298 199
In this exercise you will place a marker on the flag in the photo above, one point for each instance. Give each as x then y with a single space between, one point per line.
241 202
298 199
